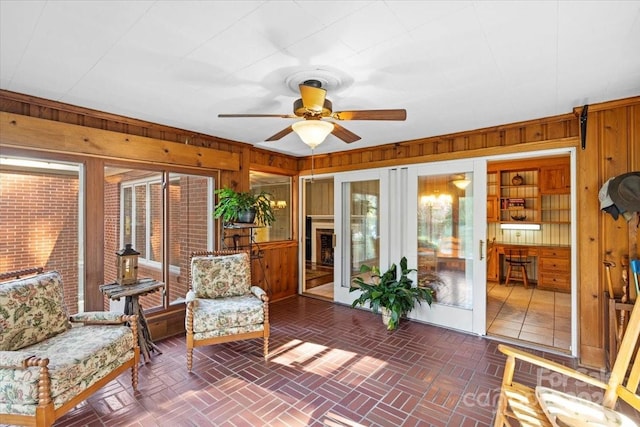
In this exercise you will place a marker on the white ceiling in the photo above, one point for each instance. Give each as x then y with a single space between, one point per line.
454 65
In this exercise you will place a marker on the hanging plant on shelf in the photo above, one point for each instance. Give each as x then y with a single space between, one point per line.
244 207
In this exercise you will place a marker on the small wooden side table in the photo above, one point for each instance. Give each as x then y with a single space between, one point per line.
132 293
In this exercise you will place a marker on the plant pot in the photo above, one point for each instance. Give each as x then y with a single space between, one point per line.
246 217
386 315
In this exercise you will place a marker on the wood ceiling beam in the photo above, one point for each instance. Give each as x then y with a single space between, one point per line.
33 133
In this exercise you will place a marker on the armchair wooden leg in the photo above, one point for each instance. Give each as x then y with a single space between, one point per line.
134 376
266 347
189 358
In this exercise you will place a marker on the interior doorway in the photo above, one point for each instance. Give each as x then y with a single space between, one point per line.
318 276
529 209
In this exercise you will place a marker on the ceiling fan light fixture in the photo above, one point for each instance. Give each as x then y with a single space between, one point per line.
312 132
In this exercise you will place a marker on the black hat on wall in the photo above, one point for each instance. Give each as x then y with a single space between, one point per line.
624 190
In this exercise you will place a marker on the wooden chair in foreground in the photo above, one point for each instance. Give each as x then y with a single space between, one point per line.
222 306
520 405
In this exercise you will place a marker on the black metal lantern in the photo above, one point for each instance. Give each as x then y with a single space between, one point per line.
127 264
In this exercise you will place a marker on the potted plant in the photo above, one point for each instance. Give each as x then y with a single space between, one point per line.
246 207
394 296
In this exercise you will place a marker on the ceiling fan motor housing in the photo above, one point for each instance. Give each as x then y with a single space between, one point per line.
313 83
300 111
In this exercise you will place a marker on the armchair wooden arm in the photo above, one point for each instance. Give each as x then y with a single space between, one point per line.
514 353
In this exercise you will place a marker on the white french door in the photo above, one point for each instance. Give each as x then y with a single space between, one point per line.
418 212
381 215
360 216
446 241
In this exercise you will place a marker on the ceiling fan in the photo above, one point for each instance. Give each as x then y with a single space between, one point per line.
313 106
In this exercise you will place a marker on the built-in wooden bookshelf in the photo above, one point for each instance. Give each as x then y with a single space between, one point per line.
521 192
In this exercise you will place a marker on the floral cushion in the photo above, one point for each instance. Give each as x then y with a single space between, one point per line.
77 359
222 315
98 317
31 310
221 276
14 359
199 336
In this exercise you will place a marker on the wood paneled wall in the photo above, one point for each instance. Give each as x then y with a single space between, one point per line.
612 148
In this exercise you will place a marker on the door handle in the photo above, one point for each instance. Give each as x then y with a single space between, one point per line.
481 255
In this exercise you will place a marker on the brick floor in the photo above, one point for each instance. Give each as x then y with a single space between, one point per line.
330 365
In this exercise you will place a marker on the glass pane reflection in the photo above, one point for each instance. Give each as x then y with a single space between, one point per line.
444 239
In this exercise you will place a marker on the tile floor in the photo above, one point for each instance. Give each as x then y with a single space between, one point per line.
323 291
330 365
532 315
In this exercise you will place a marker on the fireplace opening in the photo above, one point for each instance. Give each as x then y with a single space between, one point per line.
324 245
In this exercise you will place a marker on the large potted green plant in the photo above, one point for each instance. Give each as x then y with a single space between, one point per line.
243 206
394 296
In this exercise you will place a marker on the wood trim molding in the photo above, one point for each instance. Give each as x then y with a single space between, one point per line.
608 105
482 152
32 133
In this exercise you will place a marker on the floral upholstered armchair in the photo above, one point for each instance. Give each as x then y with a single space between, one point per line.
222 306
51 361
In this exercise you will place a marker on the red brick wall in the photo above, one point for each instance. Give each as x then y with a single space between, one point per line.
39 226
191 213
111 232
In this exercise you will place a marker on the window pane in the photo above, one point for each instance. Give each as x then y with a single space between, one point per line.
191 227
133 214
140 220
155 236
135 196
39 221
279 189
127 216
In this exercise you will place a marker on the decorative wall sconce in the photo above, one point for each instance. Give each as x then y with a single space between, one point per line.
127 265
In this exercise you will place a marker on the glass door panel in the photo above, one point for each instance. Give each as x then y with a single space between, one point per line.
358 202
317 272
445 224
443 239
364 224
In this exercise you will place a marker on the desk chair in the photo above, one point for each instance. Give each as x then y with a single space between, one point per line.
517 261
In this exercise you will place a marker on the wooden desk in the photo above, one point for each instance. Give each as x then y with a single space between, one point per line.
551 269
132 305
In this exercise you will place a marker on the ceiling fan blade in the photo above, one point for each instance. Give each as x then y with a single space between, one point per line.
284 132
400 114
312 97
344 134
282 116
